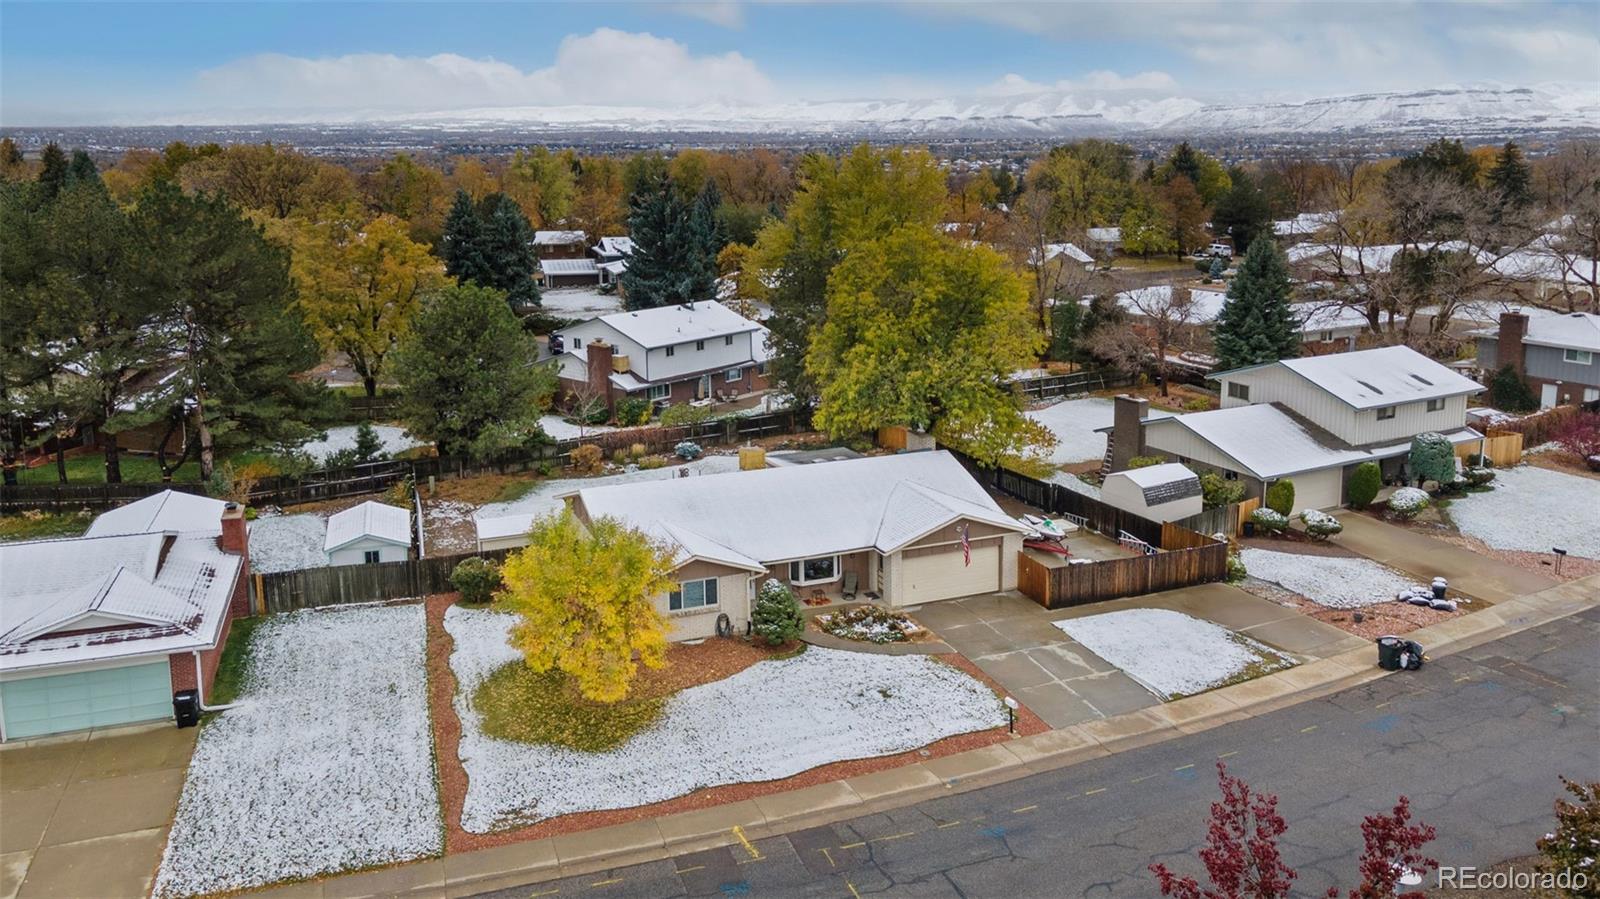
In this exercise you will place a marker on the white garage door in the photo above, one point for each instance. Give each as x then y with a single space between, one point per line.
61 702
943 576
1317 490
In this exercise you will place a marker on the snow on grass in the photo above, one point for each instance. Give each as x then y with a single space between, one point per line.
1170 653
1075 484
1533 509
325 765
828 706
1073 422
1326 580
542 498
395 440
579 302
560 429
288 542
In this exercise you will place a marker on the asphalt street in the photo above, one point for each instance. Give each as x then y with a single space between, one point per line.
1477 740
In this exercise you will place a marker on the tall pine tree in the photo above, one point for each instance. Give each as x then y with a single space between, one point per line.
491 244
1255 324
1510 182
461 246
673 259
52 171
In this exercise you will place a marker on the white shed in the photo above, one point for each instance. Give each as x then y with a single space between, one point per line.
369 533
504 532
1165 492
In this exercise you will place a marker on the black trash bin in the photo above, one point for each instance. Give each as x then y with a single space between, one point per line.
186 707
1389 650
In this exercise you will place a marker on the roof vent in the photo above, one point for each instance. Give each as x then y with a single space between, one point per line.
1370 387
1422 380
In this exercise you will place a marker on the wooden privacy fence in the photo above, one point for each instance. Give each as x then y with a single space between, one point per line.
1188 558
1502 447
1050 386
338 585
1059 500
18 497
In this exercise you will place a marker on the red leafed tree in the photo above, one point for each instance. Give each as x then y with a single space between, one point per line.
1393 846
1241 854
1580 435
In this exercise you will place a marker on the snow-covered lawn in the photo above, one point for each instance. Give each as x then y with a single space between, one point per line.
1170 653
395 440
560 429
1533 509
1074 422
827 706
288 542
542 498
325 765
1326 580
579 302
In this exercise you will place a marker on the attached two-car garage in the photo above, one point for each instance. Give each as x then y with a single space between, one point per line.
100 697
944 574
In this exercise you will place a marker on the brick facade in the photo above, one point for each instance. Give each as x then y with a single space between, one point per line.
235 538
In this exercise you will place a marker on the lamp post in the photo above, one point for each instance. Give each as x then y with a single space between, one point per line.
1011 714
1560 554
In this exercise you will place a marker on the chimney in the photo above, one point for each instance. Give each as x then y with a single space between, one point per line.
598 358
235 536
1127 432
1509 350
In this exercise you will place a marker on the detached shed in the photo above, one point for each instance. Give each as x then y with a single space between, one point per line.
368 534
1165 492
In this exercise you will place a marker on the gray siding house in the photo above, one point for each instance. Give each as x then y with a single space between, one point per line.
1558 355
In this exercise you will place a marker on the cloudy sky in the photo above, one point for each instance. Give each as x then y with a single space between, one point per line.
79 63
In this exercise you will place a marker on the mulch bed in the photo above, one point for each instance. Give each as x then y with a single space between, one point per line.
1300 544
711 660
1377 620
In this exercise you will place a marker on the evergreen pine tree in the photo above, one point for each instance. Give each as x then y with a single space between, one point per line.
508 250
82 169
1185 162
461 246
10 157
52 171
1510 181
672 259
1255 324
1243 212
369 446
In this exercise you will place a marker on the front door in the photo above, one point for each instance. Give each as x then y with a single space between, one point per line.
703 388
1547 396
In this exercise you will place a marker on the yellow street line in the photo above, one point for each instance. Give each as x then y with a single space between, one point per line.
604 883
545 893
1381 705
1026 808
852 889
695 868
948 824
894 836
1307 730
1138 779
1092 792
828 856
738 831
1184 767
853 845
1228 754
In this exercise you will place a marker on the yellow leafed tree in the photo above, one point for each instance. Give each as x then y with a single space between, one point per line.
583 595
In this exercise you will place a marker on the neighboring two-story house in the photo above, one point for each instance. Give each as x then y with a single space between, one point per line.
1312 420
671 354
1558 355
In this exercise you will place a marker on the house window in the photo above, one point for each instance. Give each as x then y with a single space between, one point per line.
1386 413
1238 391
1436 405
693 595
1577 357
660 391
733 374
669 350
814 571
761 368
699 345
1230 476
577 342
370 557
1326 337
728 340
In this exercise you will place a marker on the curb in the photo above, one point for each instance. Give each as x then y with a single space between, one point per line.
740 823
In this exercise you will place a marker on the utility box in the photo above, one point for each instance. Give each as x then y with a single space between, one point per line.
186 707
752 458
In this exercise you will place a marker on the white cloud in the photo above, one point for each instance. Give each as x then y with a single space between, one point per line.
1090 82
605 67
727 13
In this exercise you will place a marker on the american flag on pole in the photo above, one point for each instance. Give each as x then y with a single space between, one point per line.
966 545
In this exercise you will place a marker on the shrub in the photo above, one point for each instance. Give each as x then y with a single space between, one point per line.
1280 497
545 469
1580 435
633 411
368 448
1203 266
1479 477
1408 501
1145 461
586 458
1433 458
477 579
1478 460
651 463
594 413
619 456
688 451
1270 521
1196 404
1365 482
1236 572
776 617
684 414
400 493
1218 491
1320 525
1509 392
868 624
1570 845
637 451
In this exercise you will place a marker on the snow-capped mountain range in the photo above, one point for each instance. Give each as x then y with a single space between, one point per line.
1468 110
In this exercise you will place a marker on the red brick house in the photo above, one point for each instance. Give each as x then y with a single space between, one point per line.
103 629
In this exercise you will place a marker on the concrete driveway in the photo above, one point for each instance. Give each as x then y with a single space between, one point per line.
1424 558
89 817
1014 640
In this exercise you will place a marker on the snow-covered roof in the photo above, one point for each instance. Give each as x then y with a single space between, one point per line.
95 598
1371 379
559 238
1539 264
1052 250
379 521
169 510
1374 259
1573 330
757 518
1162 483
503 526
568 267
615 267
1205 305
671 325
1303 224
1316 317
1105 235
615 246
1266 440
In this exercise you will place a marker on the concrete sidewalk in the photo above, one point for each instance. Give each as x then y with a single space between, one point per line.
87 814
1481 577
741 823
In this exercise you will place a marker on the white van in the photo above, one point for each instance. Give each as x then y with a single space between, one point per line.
1220 249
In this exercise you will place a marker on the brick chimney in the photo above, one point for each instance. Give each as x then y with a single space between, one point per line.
1127 432
235 538
599 369
1509 351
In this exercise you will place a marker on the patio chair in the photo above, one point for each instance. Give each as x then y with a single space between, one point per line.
849 591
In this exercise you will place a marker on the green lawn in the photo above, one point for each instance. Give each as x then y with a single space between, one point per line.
90 468
520 704
38 526
235 659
